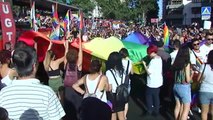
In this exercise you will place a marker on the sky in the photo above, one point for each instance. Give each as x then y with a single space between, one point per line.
160 12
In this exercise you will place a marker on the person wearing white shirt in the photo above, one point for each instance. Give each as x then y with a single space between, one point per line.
206 87
7 73
26 98
127 64
208 46
115 72
198 53
154 80
173 54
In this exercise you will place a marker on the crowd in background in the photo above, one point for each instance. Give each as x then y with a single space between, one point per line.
64 96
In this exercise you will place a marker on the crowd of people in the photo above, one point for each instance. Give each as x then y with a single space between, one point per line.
71 93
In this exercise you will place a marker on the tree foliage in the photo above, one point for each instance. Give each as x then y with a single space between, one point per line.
86 5
128 10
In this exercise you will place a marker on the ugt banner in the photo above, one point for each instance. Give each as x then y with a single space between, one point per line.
7 23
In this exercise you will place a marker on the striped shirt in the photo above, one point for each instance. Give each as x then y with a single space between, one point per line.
30 100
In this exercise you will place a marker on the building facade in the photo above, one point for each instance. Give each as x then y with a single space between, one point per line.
185 12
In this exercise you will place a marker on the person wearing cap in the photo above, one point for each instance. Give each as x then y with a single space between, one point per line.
154 80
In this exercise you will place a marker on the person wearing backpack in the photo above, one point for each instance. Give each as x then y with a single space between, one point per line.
116 76
154 80
127 64
95 83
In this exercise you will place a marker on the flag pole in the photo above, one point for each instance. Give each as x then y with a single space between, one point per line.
32 24
80 26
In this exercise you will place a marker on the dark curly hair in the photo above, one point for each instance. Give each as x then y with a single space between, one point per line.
5 56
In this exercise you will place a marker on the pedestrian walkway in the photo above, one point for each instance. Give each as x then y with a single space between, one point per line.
137 107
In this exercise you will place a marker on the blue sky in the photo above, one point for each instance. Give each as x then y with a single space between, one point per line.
160 12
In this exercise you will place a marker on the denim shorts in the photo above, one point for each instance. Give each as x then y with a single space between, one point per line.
206 97
182 92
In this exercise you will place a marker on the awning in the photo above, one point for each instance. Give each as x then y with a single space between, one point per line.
46 5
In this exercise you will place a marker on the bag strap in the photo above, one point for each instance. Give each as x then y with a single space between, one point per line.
127 70
50 67
197 57
96 85
115 78
202 72
126 80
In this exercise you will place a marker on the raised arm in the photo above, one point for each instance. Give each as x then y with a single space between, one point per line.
80 55
62 59
46 61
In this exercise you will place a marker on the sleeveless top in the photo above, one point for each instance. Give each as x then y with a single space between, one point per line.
180 76
53 72
71 76
91 85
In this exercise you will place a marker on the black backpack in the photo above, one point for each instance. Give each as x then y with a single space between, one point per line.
121 90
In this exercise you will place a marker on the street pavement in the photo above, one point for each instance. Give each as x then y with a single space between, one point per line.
137 107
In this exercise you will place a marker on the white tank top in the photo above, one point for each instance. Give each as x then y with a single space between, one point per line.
91 85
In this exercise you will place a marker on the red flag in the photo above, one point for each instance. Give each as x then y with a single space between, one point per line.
81 21
8 26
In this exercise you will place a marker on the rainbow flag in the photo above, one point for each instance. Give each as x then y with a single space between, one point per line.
55 35
166 35
55 20
198 62
67 21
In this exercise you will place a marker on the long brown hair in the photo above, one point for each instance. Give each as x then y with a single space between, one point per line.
72 56
182 59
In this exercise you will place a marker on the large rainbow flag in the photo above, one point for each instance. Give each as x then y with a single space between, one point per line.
97 48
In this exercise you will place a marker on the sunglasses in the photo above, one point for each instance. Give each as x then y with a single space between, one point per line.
196 44
210 39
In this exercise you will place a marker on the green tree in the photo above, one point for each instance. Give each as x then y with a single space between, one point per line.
86 5
153 13
128 10
113 9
